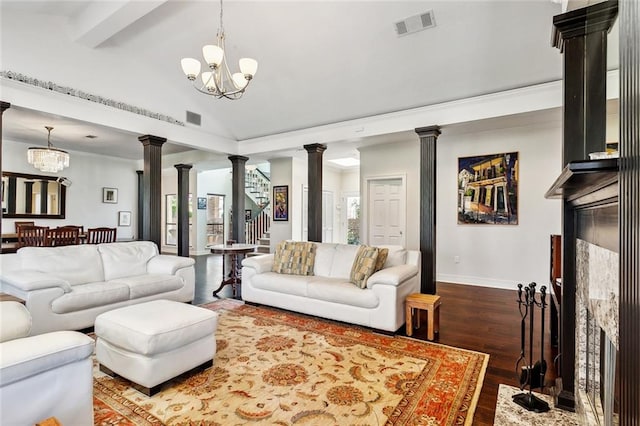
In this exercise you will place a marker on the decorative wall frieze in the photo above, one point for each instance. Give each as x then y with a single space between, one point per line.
66 90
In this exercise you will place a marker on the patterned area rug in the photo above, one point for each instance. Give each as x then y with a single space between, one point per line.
280 368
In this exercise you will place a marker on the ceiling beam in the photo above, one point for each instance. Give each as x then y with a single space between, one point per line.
100 21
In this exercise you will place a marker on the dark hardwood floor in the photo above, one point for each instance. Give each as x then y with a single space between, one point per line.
476 318
487 320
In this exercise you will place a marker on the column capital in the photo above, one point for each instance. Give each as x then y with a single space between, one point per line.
583 21
4 105
152 140
427 131
315 147
183 166
238 158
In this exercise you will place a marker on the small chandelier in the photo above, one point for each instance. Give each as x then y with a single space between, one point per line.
219 82
48 159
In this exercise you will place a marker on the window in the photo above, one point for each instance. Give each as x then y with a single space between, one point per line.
171 220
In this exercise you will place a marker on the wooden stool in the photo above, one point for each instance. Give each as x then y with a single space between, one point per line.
428 302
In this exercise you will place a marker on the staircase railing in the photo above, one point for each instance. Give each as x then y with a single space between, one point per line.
257 186
256 228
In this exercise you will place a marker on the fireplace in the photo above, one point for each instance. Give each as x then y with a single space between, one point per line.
589 345
597 271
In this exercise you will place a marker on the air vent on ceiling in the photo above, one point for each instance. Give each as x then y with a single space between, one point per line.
194 118
415 23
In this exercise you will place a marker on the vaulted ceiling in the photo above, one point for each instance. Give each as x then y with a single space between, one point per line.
320 62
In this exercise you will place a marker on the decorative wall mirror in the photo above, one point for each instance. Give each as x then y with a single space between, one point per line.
33 196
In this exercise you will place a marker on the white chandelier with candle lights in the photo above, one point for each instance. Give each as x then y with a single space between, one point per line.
219 82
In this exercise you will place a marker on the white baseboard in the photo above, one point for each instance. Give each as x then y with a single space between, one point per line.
477 281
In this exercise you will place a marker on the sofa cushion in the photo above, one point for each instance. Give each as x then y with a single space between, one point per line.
126 259
90 295
75 264
155 327
343 259
397 255
340 291
363 266
325 253
281 283
149 284
294 257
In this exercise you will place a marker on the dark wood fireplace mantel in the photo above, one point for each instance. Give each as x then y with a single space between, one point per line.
587 182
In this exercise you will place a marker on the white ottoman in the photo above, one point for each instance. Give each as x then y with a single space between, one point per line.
153 342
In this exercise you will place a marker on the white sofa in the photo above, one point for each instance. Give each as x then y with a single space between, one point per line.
329 293
66 288
43 376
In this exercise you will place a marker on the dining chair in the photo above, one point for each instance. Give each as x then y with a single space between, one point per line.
63 236
32 236
79 227
101 235
18 224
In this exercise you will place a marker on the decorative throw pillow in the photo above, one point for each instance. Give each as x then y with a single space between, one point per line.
363 265
294 258
382 257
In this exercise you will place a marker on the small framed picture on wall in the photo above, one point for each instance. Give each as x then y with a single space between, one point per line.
281 202
124 218
202 203
109 195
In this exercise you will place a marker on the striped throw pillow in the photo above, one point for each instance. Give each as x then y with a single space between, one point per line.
363 265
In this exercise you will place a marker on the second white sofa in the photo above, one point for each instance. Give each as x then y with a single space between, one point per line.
66 288
328 293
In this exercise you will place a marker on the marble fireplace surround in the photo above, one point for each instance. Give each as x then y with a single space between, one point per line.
597 298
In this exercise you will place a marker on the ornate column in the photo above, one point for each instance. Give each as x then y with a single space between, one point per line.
152 188
183 208
3 106
237 197
314 197
428 137
140 205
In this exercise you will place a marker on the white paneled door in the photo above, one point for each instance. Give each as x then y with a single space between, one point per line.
387 212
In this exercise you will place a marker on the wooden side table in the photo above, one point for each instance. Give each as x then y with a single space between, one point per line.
428 302
233 251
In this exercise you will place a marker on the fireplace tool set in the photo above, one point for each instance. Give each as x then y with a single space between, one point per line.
531 375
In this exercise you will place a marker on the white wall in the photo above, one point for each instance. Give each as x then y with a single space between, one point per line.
89 174
392 160
489 255
499 255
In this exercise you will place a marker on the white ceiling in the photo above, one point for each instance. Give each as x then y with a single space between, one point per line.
320 62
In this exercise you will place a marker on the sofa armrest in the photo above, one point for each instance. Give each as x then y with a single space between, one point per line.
15 321
27 280
29 356
394 275
166 264
260 264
